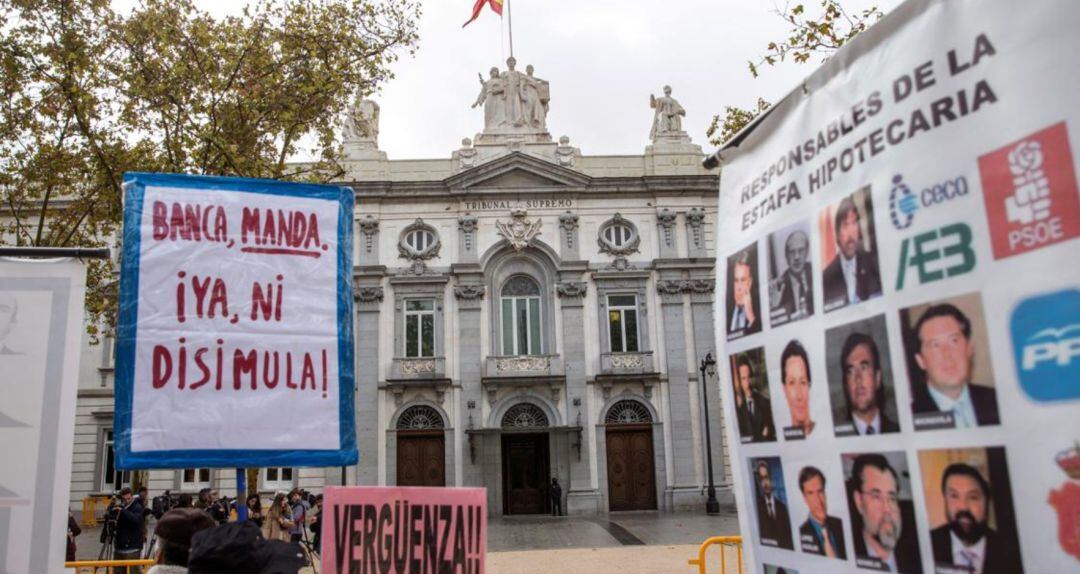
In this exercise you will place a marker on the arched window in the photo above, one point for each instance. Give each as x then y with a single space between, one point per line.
420 417
420 240
524 416
521 327
626 413
618 234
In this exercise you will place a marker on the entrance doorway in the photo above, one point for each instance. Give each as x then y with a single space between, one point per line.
525 473
630 463
421 448
421 459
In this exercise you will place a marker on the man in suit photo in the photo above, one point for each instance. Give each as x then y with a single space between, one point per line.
944 353
864 388
756 416
774 522
852 276
878 526
821 534
792 294
744 316
966 541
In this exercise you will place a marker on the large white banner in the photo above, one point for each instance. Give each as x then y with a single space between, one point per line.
235 334
41 328
901 300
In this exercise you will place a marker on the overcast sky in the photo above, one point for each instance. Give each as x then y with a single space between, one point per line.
602 58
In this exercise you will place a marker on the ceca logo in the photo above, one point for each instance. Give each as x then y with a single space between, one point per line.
903 203
1046 345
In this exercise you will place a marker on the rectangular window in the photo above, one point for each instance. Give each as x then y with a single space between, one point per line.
521 326
277 478
194 478
111 478
622 323
419 328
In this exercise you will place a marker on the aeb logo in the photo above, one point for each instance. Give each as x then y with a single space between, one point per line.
936 254
903 203
1046 345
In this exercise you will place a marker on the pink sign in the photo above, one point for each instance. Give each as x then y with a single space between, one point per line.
404 530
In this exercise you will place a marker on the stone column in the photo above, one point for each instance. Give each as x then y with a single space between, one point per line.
581 497
686 491
701 289
467 225
665 226
469 293
369 240
568 237
368 294
695 233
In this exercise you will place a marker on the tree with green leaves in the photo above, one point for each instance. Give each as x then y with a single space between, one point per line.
87 94
808 37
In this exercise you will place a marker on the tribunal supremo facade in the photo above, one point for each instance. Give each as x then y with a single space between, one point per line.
523 312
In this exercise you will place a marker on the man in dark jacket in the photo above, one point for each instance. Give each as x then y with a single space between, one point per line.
852 276
129 528
966 540
774 522
821 534
756 415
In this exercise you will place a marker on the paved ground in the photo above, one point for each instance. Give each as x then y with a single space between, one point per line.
619 543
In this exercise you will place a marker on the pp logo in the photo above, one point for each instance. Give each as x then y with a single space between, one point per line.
1031 192
1046 345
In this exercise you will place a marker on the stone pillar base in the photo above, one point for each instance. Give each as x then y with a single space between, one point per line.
685 498
583 502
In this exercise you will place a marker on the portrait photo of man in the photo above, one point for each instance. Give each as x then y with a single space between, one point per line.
969 506
860 378
944 352
820 534
774 521
795 381
847 240
753 409
743 311
791 279
882 512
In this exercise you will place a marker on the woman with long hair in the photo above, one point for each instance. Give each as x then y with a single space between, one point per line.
279 519
254 507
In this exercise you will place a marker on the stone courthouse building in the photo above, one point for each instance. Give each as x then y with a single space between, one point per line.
523 312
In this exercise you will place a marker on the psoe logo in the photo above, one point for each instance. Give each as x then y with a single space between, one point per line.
903 202
1031 192
1046 345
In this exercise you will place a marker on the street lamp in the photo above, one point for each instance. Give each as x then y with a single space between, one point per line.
708 372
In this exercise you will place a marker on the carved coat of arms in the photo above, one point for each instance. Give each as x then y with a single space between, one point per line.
1066 501
519 231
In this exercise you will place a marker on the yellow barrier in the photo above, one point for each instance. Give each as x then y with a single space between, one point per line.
108 565
89 509
724 542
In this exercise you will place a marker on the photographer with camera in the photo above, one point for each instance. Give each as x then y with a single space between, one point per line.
129 527
217 508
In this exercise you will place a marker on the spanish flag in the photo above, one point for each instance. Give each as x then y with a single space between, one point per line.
496 6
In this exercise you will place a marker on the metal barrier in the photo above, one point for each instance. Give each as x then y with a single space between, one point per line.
109 565
89 509
724 542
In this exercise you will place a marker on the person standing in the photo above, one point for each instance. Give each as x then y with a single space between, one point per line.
254 508
317 523
279 519
299 508
129 529
556 498
73 530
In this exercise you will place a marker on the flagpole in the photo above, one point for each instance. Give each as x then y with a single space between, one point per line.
510 22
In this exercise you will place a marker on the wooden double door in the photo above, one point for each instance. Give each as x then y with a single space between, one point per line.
526 473
630 468
421 458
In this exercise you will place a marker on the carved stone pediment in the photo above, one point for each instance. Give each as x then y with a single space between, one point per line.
517 171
